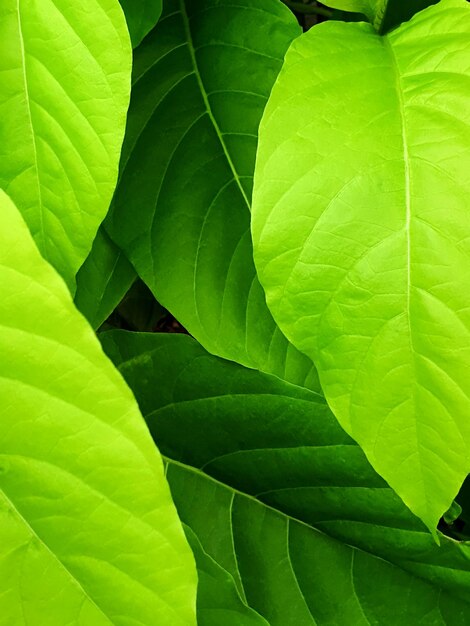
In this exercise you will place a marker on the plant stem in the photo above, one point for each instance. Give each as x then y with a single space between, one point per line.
308 9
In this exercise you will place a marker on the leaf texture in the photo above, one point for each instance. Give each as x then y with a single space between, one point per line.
64 91
277 493
361 231
88 532
181 211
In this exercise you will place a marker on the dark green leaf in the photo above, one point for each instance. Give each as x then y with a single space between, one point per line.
280 444
181 211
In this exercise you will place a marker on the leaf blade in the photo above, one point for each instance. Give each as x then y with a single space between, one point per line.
369 250
85 509
279 444
64 99
190 184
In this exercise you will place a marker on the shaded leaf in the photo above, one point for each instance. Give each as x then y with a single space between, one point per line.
187 173
218 601
231 435
141 17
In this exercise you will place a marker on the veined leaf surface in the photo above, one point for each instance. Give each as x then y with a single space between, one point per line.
141 17
361 229
231 435
182 209
64 91
89 535
218 599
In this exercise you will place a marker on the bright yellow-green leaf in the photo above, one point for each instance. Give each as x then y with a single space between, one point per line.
361 232
89 535
65 70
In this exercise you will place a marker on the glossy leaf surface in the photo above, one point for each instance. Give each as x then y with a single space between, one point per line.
232 435
64 93
141 17
181 211
88 532
103 280
361 230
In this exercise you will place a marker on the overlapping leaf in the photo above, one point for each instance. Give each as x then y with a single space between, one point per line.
231 435
65 79
181 212
361 231
88 532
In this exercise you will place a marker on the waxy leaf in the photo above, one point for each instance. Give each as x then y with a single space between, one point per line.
361 231
231 435
88 532
64 90
141 17
182 209
103 280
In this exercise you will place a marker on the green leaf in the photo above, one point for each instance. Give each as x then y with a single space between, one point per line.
88 532
361 230
181 211
218 600
64 93
141 17
266 439
103 280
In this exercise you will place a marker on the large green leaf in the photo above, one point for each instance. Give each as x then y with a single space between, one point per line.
361 229
181 212
88 532
64 92
141 17
267 439
103 280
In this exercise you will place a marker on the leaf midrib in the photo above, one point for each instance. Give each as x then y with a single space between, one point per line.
31 125
197 73
408 219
